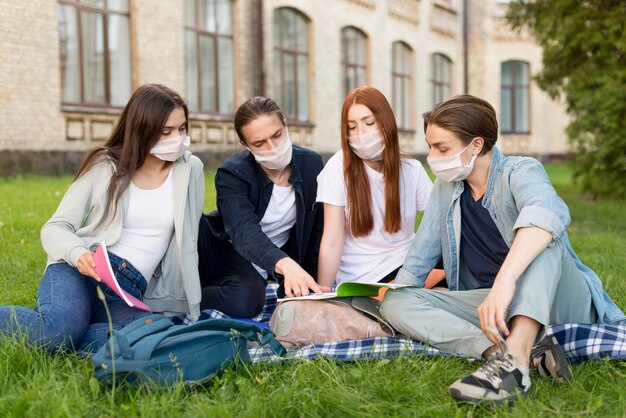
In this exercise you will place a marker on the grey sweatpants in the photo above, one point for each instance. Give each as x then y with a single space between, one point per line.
551 291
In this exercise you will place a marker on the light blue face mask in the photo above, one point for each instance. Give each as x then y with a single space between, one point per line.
171 149
451 168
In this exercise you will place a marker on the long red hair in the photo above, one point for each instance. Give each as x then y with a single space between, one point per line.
359 202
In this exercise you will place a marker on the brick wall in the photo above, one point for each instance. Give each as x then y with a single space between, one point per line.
29 71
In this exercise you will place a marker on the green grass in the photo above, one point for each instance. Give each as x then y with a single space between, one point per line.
35 383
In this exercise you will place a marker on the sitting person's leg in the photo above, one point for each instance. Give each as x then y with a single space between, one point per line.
229 282
62 311
551 290
446 320
238 296
120 313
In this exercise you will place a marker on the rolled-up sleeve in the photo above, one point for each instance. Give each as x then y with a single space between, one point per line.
537 201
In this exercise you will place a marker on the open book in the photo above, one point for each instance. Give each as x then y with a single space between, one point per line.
346 289
105 271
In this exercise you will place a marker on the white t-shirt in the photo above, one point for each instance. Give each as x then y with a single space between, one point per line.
148 227
370 258
279 218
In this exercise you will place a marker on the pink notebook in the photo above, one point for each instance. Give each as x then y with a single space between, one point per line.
104 270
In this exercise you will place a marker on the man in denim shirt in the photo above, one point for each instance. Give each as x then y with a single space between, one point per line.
266 224
499 227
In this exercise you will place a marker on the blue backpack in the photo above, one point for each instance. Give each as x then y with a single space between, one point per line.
153 350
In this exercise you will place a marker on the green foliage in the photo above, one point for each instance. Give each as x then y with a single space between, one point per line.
584 56
34 383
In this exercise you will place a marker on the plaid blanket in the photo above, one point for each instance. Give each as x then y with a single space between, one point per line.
580 341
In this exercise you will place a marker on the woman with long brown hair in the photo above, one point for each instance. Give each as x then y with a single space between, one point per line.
371 193
142 194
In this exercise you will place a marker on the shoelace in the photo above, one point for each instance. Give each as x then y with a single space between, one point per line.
497 360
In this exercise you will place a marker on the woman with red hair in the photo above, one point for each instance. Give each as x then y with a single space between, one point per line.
371 193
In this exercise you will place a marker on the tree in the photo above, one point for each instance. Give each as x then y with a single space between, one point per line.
584 59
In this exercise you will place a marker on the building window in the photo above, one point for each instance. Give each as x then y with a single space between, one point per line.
514 98
441 77
291 63
209 55
354 58
94 40
402 56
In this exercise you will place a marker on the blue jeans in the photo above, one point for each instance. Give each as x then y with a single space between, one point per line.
68 313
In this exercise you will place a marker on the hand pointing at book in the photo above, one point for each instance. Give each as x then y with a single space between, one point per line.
297 280
86 265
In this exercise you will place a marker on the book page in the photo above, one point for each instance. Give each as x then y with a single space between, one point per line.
348 289
105 271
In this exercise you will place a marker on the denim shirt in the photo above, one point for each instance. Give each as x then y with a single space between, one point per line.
518 194
243 194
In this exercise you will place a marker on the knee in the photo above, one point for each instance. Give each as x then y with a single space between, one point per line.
393 304
57 333
236 296
398 302
249 301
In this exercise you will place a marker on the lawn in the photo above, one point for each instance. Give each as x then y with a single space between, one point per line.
33 383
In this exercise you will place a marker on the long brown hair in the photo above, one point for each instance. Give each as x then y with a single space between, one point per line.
137 130
360 215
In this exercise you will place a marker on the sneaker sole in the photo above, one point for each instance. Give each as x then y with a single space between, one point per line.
459 397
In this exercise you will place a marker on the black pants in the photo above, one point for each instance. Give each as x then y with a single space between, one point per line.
229 282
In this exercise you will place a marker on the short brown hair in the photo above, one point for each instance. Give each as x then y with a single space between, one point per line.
251 109
468 117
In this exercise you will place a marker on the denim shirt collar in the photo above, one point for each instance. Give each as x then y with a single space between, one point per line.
495 171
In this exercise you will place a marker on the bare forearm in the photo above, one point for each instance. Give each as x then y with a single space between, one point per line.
328 265
527 245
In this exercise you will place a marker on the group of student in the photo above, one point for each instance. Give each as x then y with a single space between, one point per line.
494 222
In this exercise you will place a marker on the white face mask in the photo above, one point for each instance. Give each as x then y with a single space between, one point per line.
278 158
451 168
369 146
171 149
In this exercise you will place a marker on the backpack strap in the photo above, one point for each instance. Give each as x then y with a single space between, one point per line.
250 332
247 330
135 331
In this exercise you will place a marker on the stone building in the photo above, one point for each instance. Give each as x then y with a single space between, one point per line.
68 67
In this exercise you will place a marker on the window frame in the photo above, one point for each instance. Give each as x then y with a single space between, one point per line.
346 64
281 50
439 85
408 78
83 105
198 33
512 88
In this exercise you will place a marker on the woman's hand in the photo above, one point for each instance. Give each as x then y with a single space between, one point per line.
86 265
297 280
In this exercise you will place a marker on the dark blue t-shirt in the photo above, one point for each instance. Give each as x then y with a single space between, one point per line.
482 246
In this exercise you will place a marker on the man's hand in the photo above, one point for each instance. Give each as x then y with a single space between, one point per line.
86 265
297 281
493 310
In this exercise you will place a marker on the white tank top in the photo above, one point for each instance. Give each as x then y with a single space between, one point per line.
148 227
